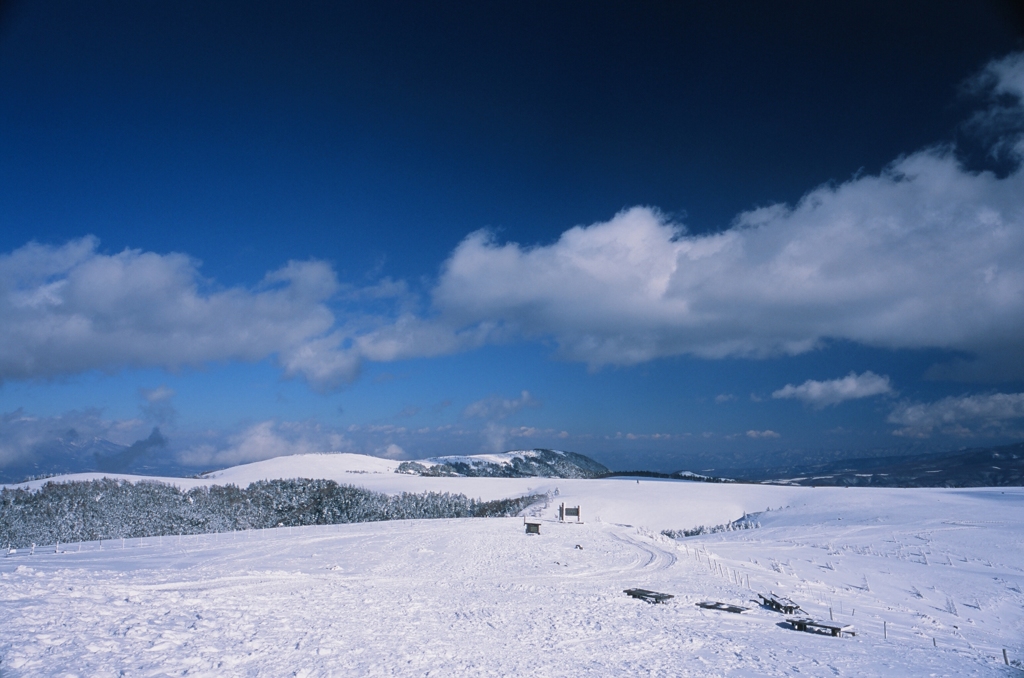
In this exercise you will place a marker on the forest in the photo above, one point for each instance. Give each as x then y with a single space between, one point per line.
110 509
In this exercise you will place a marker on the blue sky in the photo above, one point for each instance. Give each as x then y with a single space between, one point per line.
662 236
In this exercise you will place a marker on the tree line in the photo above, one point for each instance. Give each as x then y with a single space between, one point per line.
111 509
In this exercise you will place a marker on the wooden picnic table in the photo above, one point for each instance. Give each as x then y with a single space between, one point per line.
778 603
648 596
815 626
722 607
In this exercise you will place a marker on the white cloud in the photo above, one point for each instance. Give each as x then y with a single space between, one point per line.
724 398
495 437
71 309
925 254
1005 76
393 451
157 406
265 440
823 393
963 415
159 394
499 408
763 434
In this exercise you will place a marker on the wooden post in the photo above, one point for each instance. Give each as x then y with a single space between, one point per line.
830 614
1006 660
935 643
885 631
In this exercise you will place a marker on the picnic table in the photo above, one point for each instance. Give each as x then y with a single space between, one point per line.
814 626
778 603
648 596
723 607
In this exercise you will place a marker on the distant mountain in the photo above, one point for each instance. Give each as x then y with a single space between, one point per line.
69 453
514 464
74 453
979 467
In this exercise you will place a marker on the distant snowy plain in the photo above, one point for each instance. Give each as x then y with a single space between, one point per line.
944 569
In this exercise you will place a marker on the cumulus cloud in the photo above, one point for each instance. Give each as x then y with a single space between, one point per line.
820 394
999 126
70 309
963 415
924 254
1005 76
393 451
499 408
265 440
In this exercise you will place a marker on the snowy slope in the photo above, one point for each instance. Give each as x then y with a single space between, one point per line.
337 467
943 568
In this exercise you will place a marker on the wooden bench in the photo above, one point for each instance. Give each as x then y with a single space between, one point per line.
723 607
815 626
648 596
783 605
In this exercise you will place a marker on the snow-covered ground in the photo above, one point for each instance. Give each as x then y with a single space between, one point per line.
943 568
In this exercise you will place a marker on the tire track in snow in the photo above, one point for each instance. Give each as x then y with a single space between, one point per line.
656 558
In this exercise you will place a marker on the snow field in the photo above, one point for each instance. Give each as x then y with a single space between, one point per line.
479 597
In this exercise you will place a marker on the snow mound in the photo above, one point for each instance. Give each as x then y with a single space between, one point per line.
319 466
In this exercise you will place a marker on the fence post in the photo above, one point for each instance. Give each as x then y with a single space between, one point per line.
1006 660
885 631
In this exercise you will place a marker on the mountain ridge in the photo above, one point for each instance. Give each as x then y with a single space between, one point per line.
537 462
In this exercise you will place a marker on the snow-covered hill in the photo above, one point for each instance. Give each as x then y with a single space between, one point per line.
943 569
514 464
345 468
